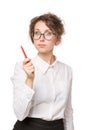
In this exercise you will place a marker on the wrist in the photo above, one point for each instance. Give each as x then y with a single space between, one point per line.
29 82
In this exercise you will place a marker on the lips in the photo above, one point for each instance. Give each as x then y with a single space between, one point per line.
41 45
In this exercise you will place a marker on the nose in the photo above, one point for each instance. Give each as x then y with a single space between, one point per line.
42 37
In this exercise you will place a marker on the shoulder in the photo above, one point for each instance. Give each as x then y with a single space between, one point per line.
65 68
64 65
18 65
18 69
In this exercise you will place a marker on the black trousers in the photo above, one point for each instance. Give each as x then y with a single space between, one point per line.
38 124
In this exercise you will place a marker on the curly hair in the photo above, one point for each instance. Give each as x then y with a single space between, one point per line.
53 22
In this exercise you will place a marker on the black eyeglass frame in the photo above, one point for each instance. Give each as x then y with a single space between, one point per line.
43 36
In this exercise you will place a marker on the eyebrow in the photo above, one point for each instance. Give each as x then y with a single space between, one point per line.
44 31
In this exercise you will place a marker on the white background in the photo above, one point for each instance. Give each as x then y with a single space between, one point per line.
14 21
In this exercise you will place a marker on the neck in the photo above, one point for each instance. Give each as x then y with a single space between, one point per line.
49 58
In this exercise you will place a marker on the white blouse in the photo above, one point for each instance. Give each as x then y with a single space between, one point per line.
50 98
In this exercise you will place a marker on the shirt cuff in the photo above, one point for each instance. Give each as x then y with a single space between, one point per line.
26 91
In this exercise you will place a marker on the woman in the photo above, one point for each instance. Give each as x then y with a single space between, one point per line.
42 85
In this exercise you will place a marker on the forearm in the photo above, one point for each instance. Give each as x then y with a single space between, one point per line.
68 120
22 100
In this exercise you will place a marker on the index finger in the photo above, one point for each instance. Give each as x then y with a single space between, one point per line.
26 60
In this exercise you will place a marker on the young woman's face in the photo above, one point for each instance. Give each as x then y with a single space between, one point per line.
44 38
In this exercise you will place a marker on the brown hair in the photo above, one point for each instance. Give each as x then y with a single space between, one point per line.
53 22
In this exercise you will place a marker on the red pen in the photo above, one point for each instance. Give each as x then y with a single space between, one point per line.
23 52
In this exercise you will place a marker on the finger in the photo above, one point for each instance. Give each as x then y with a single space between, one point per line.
30 67
26 60
29 64
31 71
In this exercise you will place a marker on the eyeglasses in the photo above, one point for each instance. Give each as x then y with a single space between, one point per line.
47 35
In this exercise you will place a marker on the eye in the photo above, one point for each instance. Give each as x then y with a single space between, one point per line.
37 33
47 33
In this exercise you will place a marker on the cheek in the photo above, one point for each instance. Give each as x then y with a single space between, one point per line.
35 43
52 43
54 40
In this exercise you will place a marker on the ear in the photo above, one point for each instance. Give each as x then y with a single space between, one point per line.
58 42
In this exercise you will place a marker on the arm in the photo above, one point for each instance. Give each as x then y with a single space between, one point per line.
22 93
68 120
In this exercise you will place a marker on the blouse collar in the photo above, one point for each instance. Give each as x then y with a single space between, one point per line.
43 65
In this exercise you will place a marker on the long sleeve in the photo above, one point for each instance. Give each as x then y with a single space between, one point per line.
47 100
22 94
68 120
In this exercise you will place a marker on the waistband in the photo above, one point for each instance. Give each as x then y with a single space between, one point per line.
39 121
